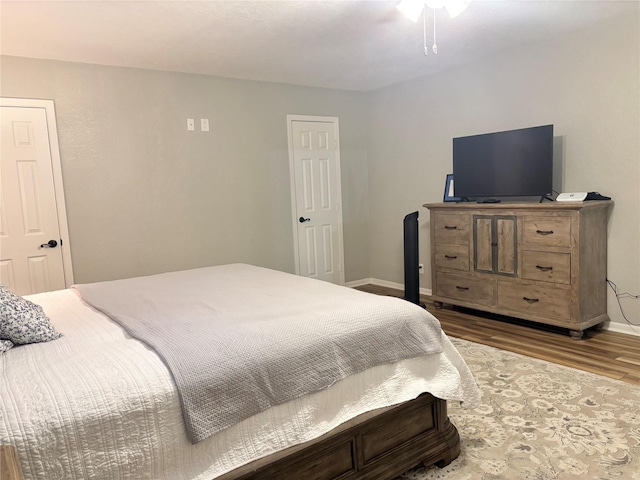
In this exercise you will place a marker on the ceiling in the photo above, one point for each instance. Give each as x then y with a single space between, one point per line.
345 44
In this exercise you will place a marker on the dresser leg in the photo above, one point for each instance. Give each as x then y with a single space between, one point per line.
576 334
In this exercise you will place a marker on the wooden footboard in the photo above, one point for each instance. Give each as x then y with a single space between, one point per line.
378 445
9 466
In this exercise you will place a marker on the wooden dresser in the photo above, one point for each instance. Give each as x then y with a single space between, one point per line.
544 262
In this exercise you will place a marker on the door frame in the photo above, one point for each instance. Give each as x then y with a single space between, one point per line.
56 170
292 181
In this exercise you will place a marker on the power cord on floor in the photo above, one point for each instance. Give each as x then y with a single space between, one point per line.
614 287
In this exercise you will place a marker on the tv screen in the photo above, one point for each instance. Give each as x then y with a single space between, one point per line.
513 163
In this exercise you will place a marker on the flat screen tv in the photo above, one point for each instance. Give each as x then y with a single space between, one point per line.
514 163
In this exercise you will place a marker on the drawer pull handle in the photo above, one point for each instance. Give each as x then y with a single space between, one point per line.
462 288
450 257
544 269
544 232
530 300
449 227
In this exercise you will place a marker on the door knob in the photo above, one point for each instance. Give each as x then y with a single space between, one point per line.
302 219
49 244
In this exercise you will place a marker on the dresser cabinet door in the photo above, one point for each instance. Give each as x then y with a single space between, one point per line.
494 243
506 260
483 243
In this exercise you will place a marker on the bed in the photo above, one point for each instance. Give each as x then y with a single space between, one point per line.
99 403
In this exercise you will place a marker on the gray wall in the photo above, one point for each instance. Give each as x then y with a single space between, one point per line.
145 196
586 84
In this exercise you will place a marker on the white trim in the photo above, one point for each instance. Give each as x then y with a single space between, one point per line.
384 283
56 168
292 182
623 328
359 283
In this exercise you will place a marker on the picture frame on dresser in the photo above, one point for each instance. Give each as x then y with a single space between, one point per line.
449 191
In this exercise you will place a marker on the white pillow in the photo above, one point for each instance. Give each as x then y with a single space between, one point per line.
22 321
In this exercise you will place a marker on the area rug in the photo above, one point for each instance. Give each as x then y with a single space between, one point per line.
541 421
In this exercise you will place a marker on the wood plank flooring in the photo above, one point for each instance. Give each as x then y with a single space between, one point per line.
606 353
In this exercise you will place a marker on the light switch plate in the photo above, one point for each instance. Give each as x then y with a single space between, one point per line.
204 124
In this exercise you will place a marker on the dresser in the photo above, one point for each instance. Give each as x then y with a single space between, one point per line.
542 262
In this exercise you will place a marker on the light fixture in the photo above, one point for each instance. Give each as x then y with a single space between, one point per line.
455 7
413 8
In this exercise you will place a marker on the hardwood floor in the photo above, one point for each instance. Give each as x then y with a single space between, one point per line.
611 354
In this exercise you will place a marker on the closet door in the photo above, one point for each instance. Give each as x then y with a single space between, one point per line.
33 232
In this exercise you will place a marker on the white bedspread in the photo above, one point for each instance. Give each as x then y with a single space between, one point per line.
99 404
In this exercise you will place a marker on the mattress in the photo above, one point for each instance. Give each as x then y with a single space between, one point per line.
97 403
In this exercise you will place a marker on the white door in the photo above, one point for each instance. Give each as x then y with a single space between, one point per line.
314 156
32 235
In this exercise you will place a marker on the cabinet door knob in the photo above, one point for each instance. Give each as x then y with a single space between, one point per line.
450 257
544 232
462 288
544 269
530 300
449 227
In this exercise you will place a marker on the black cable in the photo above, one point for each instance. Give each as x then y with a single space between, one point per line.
614 287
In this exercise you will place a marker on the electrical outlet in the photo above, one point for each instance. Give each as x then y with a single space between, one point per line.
191 125
421 268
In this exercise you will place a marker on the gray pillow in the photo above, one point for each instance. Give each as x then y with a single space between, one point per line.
22 321
5 345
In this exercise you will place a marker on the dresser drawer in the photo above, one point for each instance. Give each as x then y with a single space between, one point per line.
550 302
452 228
547 267
466 289
452 256
547 230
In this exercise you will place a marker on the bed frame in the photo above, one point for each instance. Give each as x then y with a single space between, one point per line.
377 445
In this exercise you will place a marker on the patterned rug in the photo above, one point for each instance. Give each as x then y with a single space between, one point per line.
541 421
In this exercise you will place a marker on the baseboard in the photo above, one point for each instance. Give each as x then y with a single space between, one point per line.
359 283
383 283
623 328
611 326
